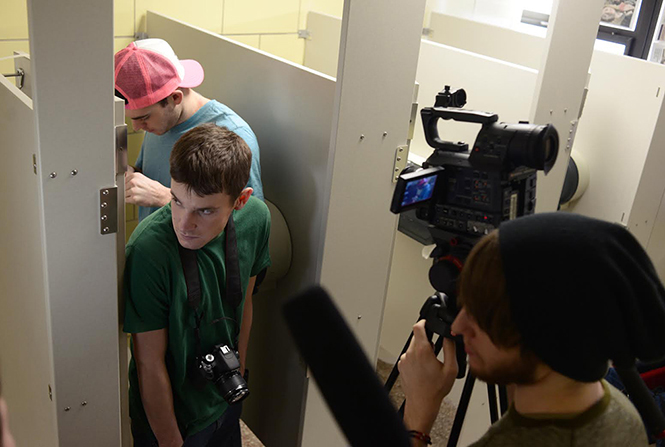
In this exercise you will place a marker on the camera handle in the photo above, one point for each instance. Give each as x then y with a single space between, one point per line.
431 115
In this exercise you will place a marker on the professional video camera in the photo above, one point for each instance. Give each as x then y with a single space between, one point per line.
221 366
463 195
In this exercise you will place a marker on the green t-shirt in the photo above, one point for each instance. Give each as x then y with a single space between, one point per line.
611 422
156 298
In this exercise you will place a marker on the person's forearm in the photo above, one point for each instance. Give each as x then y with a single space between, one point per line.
157 398
419 418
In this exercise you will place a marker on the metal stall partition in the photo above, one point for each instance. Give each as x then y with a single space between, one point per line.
322 43
616 136
647 214
376 74
290 109
59 327
560 87
26 354
491 40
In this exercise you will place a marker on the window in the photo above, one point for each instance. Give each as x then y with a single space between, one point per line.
631 23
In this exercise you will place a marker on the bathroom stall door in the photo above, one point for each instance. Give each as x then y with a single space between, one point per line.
25 347
60 342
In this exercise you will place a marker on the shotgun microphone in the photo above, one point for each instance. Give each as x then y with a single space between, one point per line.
342 372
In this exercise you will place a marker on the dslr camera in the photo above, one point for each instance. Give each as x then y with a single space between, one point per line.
222 367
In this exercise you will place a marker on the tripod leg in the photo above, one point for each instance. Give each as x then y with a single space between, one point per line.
461 410
503 399
491 398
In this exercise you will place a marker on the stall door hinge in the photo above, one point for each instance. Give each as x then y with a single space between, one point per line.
401 158
108 210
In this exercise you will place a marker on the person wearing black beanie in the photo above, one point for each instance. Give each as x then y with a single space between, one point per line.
548 302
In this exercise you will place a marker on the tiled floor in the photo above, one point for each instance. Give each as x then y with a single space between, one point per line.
248 438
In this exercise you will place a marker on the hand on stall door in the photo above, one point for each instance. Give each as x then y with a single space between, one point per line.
142 191
425 380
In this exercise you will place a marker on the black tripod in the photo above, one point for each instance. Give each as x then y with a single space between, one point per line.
439 314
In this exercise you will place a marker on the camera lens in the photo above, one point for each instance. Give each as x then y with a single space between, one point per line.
550 146
529 145
233 388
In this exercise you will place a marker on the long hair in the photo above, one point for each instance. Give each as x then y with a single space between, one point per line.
482 291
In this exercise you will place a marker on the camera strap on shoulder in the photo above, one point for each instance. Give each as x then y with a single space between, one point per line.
233 286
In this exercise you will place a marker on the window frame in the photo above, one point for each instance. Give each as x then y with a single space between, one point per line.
638 42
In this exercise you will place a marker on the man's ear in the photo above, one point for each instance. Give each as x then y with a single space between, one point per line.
177 96
242 199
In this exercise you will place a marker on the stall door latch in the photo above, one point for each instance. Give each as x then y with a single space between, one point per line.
108 210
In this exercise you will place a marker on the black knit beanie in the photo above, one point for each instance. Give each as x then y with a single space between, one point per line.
582 291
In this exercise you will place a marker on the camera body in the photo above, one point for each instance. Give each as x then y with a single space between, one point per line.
222 367
464 194
469 193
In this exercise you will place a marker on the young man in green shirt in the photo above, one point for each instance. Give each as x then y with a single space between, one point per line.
169 405
548 301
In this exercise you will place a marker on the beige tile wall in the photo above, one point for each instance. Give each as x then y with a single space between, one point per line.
268 25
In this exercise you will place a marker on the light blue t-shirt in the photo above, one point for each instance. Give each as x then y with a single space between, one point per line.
153 159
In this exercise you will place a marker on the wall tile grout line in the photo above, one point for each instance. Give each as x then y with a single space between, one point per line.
299 15
261 34
223 10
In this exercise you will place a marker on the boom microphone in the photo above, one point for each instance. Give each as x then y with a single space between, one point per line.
346 379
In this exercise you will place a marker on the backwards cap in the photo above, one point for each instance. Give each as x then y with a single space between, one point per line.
147 71
582 292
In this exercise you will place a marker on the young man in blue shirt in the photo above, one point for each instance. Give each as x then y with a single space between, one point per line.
157 88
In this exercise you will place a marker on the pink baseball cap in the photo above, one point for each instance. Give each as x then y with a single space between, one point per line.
147 71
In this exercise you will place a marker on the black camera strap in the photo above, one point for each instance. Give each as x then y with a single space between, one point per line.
233 287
